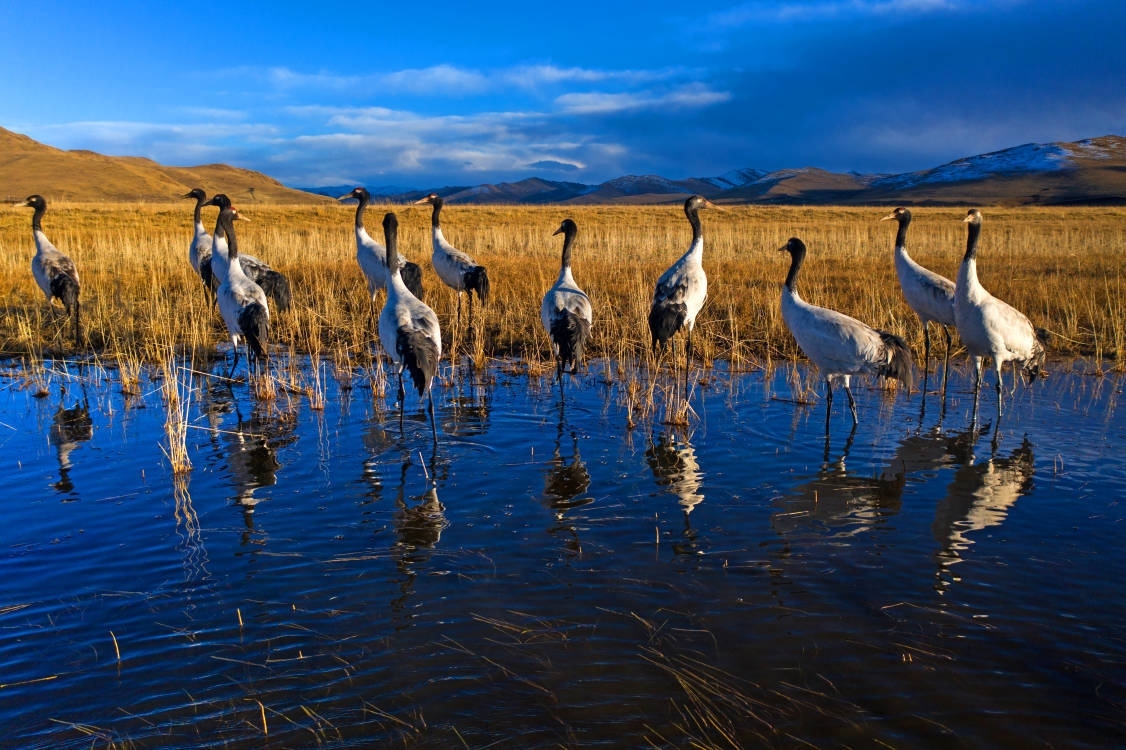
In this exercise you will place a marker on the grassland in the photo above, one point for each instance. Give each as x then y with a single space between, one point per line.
1064 267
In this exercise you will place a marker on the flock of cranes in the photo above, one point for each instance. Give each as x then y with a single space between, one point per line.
840 346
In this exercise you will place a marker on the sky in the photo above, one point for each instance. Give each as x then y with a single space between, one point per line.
430 94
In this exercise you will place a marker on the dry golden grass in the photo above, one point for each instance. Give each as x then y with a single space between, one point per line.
1063 267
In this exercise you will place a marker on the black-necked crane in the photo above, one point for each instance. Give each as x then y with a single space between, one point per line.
242 303
199 252
929 294
682 289
991 328
408 329
54 271
214 272
372 256
455 268
566 310
840 346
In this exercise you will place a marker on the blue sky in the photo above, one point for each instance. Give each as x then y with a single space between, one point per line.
432 94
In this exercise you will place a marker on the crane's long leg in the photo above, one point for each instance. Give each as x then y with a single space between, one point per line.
828 404
402 399
851 405
977 388
687 362
926 356
433 424
946 362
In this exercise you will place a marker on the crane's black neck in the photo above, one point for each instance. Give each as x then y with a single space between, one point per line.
198 206
363 199
569 232
693 215
435 220
797 257
391 240
37 217
904 220
973 231
226 228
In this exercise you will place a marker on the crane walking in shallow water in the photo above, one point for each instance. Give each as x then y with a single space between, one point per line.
566 310
840 346
991 328
456 269
408 330
372 256
242 303
930 295
682 289
54 272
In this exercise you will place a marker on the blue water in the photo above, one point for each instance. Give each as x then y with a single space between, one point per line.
548 576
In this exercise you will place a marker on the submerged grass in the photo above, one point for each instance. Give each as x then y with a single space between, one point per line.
1062 266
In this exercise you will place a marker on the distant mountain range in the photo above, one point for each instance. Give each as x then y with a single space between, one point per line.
1089 172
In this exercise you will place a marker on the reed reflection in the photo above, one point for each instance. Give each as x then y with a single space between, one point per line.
672 459
979 497
70 427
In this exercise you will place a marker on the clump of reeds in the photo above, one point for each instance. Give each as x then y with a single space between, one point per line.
176 391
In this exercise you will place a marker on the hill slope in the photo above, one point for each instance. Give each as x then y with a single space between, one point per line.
27 166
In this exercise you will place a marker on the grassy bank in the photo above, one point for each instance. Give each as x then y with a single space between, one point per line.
1064 267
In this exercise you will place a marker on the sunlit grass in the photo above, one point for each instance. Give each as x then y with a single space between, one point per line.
1062 266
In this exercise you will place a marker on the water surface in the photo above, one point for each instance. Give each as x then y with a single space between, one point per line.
550 577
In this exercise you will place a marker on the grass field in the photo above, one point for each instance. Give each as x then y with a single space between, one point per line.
1064 267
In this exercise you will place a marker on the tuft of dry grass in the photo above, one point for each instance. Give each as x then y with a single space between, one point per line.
1063 267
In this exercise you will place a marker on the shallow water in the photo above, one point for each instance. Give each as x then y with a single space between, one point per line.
548 577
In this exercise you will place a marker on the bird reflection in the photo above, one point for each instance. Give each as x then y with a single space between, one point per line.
69 428
565 482
672 460
848 502
251 449
467 412
979 497
419 521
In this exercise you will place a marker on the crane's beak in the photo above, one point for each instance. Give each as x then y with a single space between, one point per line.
889 216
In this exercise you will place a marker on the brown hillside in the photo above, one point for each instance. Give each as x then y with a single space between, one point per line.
27 166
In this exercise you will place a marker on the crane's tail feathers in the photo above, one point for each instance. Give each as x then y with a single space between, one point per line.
254 321
900 361
665 319
412 277
419 355
477 280
207 276
276 287
569 333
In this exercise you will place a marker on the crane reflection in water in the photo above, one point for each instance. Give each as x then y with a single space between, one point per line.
70 427
672 459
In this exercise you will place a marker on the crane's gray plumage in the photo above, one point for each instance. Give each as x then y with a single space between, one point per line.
54 272
199 252
213 269
682 288
408 329
991 328
840 346
455 268
930 295
372 256
566 310
242 303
